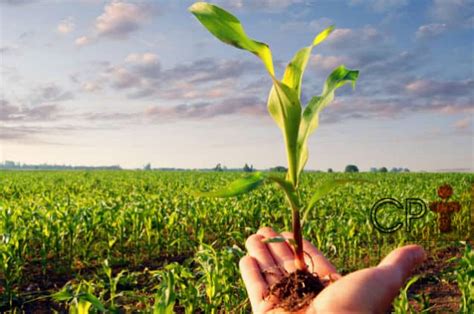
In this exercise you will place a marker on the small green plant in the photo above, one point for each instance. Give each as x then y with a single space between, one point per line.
402 304
284 106
80 300
465 279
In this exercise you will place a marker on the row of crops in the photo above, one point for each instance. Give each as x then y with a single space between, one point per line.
128 241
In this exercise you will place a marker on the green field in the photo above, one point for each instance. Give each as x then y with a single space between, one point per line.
141 240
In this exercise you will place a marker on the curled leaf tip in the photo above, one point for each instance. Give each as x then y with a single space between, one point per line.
323 35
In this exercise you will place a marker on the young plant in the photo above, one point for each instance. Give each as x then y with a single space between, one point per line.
284 105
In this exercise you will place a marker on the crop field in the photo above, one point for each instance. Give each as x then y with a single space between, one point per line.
141 241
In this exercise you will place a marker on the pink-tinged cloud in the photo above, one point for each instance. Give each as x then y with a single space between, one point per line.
147 58
430 30
463 124
91 87
425 87
66 26
120 19
82 41
327 62
265 5
355 38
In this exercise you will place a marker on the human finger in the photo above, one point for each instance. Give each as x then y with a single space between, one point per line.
373 289
281 252
255 283
259 250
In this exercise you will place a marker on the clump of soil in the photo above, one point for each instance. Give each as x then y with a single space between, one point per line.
296 290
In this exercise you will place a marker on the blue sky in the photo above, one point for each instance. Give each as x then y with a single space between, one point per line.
130 82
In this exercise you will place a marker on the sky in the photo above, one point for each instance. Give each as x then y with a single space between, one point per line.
89 82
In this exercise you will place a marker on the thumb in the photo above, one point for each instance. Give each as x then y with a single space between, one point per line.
372 289
400 262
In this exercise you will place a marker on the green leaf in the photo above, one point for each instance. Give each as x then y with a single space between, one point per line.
323 35
285 108
294 71
310 120
93 300
63 295
274 240
288 189
228 29
286 111
237 187
326 188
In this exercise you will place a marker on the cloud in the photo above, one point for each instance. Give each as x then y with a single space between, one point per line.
66 26
430 30
146 64
8 133
315 25
445 89
263 5
122 78
120 19
327 62
92 87
453 12
17 2
355 38
9 112
207 69
189 91
204 110
463 124
111 116
50 92
31 134
200 110
141 75
390 107
381 5
83 41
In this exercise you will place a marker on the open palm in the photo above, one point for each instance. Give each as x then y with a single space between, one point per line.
370 290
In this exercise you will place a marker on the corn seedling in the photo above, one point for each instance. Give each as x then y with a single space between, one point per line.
284 105
402 304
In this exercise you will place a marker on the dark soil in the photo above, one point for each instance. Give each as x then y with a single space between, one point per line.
38 284
437 282
296 290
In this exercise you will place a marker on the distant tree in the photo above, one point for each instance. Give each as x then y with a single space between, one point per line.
351 168
248 168
279 169
218 168
383 169
406 170
373 169
9 164
147 167
330 170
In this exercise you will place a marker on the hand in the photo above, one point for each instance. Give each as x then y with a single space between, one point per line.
370 290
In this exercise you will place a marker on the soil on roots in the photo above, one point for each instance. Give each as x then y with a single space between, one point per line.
296 290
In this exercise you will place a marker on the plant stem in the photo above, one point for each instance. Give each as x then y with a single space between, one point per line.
298 237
